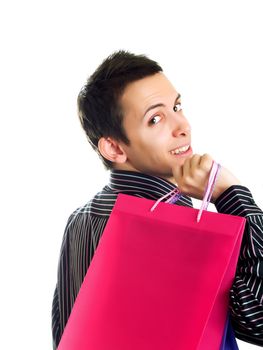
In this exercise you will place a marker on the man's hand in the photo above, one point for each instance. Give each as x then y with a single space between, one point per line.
192 177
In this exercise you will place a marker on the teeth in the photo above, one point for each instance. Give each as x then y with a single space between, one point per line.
180 150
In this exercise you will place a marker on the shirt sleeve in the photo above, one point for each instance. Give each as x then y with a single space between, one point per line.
246 294
80 240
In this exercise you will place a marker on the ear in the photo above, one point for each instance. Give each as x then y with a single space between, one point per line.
111 150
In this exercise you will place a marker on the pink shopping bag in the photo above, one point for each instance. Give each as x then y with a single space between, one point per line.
158 280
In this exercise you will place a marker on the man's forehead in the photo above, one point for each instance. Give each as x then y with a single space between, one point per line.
142 93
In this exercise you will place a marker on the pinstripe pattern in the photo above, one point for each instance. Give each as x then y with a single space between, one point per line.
86 224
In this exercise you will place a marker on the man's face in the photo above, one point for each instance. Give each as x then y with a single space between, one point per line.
155 125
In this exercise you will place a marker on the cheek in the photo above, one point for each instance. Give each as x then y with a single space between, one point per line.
150 142
155 134
153 151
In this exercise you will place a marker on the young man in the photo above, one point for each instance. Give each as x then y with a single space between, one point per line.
132 116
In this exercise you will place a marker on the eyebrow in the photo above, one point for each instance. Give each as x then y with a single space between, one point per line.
160 105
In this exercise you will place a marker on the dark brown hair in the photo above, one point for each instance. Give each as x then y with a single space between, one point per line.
100 112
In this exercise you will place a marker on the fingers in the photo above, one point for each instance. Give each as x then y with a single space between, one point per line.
194 171
206 162
192 176
195 161
191 165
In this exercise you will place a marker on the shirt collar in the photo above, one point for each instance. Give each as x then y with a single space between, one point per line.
144 185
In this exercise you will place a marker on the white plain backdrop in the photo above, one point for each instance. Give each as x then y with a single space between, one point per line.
210 50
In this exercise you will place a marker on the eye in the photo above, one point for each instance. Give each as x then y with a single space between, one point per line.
177 107
154 120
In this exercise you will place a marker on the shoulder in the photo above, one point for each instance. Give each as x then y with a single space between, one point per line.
237 200
96 210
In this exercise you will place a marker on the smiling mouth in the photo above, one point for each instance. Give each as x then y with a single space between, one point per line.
180 150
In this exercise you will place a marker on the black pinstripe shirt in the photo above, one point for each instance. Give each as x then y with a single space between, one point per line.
86 224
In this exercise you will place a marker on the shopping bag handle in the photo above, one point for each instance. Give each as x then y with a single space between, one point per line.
175 194
209 189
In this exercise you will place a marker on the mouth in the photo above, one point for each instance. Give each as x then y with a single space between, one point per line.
182 151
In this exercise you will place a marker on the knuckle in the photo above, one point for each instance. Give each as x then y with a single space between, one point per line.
196 155
207 156
207 162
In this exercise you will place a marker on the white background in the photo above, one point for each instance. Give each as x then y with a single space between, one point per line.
210 50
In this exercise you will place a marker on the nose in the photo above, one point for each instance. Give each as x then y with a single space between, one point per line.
180 126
